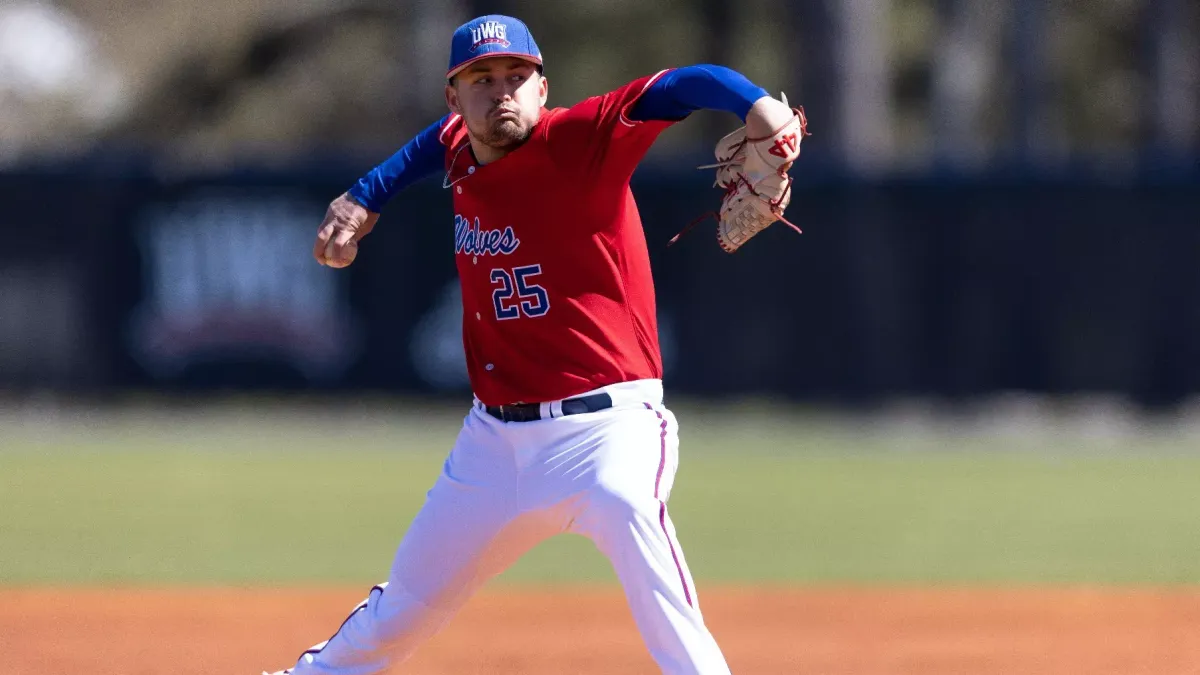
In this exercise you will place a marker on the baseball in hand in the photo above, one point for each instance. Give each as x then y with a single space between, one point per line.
349 253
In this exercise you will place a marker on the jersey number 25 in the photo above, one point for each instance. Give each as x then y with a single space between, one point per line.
532 300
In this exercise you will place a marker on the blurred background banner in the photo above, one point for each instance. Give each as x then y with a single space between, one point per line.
914 287
996 197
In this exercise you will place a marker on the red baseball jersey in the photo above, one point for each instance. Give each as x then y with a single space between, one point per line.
556 287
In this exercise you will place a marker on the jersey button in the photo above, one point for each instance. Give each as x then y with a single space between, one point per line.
470 169
489 366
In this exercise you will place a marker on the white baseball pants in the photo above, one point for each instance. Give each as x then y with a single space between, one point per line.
505 487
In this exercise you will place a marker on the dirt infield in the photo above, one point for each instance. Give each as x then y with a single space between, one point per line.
589 632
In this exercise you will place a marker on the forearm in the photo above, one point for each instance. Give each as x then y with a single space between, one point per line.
421 156
682 91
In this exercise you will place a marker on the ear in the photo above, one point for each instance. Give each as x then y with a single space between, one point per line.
543 90
452 100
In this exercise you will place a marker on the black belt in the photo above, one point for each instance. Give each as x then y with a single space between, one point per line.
531 412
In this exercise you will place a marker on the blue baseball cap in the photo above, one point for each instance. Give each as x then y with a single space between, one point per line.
491 35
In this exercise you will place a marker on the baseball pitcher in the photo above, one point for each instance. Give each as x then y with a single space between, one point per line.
568 431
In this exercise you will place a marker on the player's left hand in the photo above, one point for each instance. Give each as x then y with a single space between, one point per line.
346 222
752 165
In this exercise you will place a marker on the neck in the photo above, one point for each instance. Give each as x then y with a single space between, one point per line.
486 154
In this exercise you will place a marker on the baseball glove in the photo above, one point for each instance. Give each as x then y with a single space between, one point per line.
754 174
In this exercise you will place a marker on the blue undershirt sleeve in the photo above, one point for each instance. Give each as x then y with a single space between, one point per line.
421 156
682 91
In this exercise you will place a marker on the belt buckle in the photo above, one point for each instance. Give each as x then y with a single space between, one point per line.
513 412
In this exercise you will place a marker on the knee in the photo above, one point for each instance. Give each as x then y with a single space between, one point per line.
611 492
614 504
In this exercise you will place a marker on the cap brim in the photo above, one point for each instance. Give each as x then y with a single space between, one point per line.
532 59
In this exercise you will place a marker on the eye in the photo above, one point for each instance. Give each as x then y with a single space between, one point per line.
486 79
517 77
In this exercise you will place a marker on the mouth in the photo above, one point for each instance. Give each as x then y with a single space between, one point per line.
502 113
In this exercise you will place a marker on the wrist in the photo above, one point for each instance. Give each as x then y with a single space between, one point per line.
357 201
349 209
766 116
360 195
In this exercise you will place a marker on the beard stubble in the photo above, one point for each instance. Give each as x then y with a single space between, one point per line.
507 134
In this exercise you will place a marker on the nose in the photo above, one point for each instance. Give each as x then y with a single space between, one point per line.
502 90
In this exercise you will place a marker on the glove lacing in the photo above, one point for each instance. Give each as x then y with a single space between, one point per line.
732 187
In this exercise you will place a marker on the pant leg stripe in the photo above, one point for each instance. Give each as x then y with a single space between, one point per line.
662 506
662 457
662 521
316 649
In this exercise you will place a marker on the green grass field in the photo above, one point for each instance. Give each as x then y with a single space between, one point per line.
242 495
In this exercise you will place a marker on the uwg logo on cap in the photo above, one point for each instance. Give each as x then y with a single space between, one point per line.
489 32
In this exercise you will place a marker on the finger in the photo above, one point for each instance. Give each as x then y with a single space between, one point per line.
323 237
366 226
340 239
343 236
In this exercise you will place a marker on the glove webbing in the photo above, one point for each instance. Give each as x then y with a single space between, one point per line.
730 190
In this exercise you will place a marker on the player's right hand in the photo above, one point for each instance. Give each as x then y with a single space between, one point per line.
346 221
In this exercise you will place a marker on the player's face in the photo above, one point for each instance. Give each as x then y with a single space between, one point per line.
500 99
